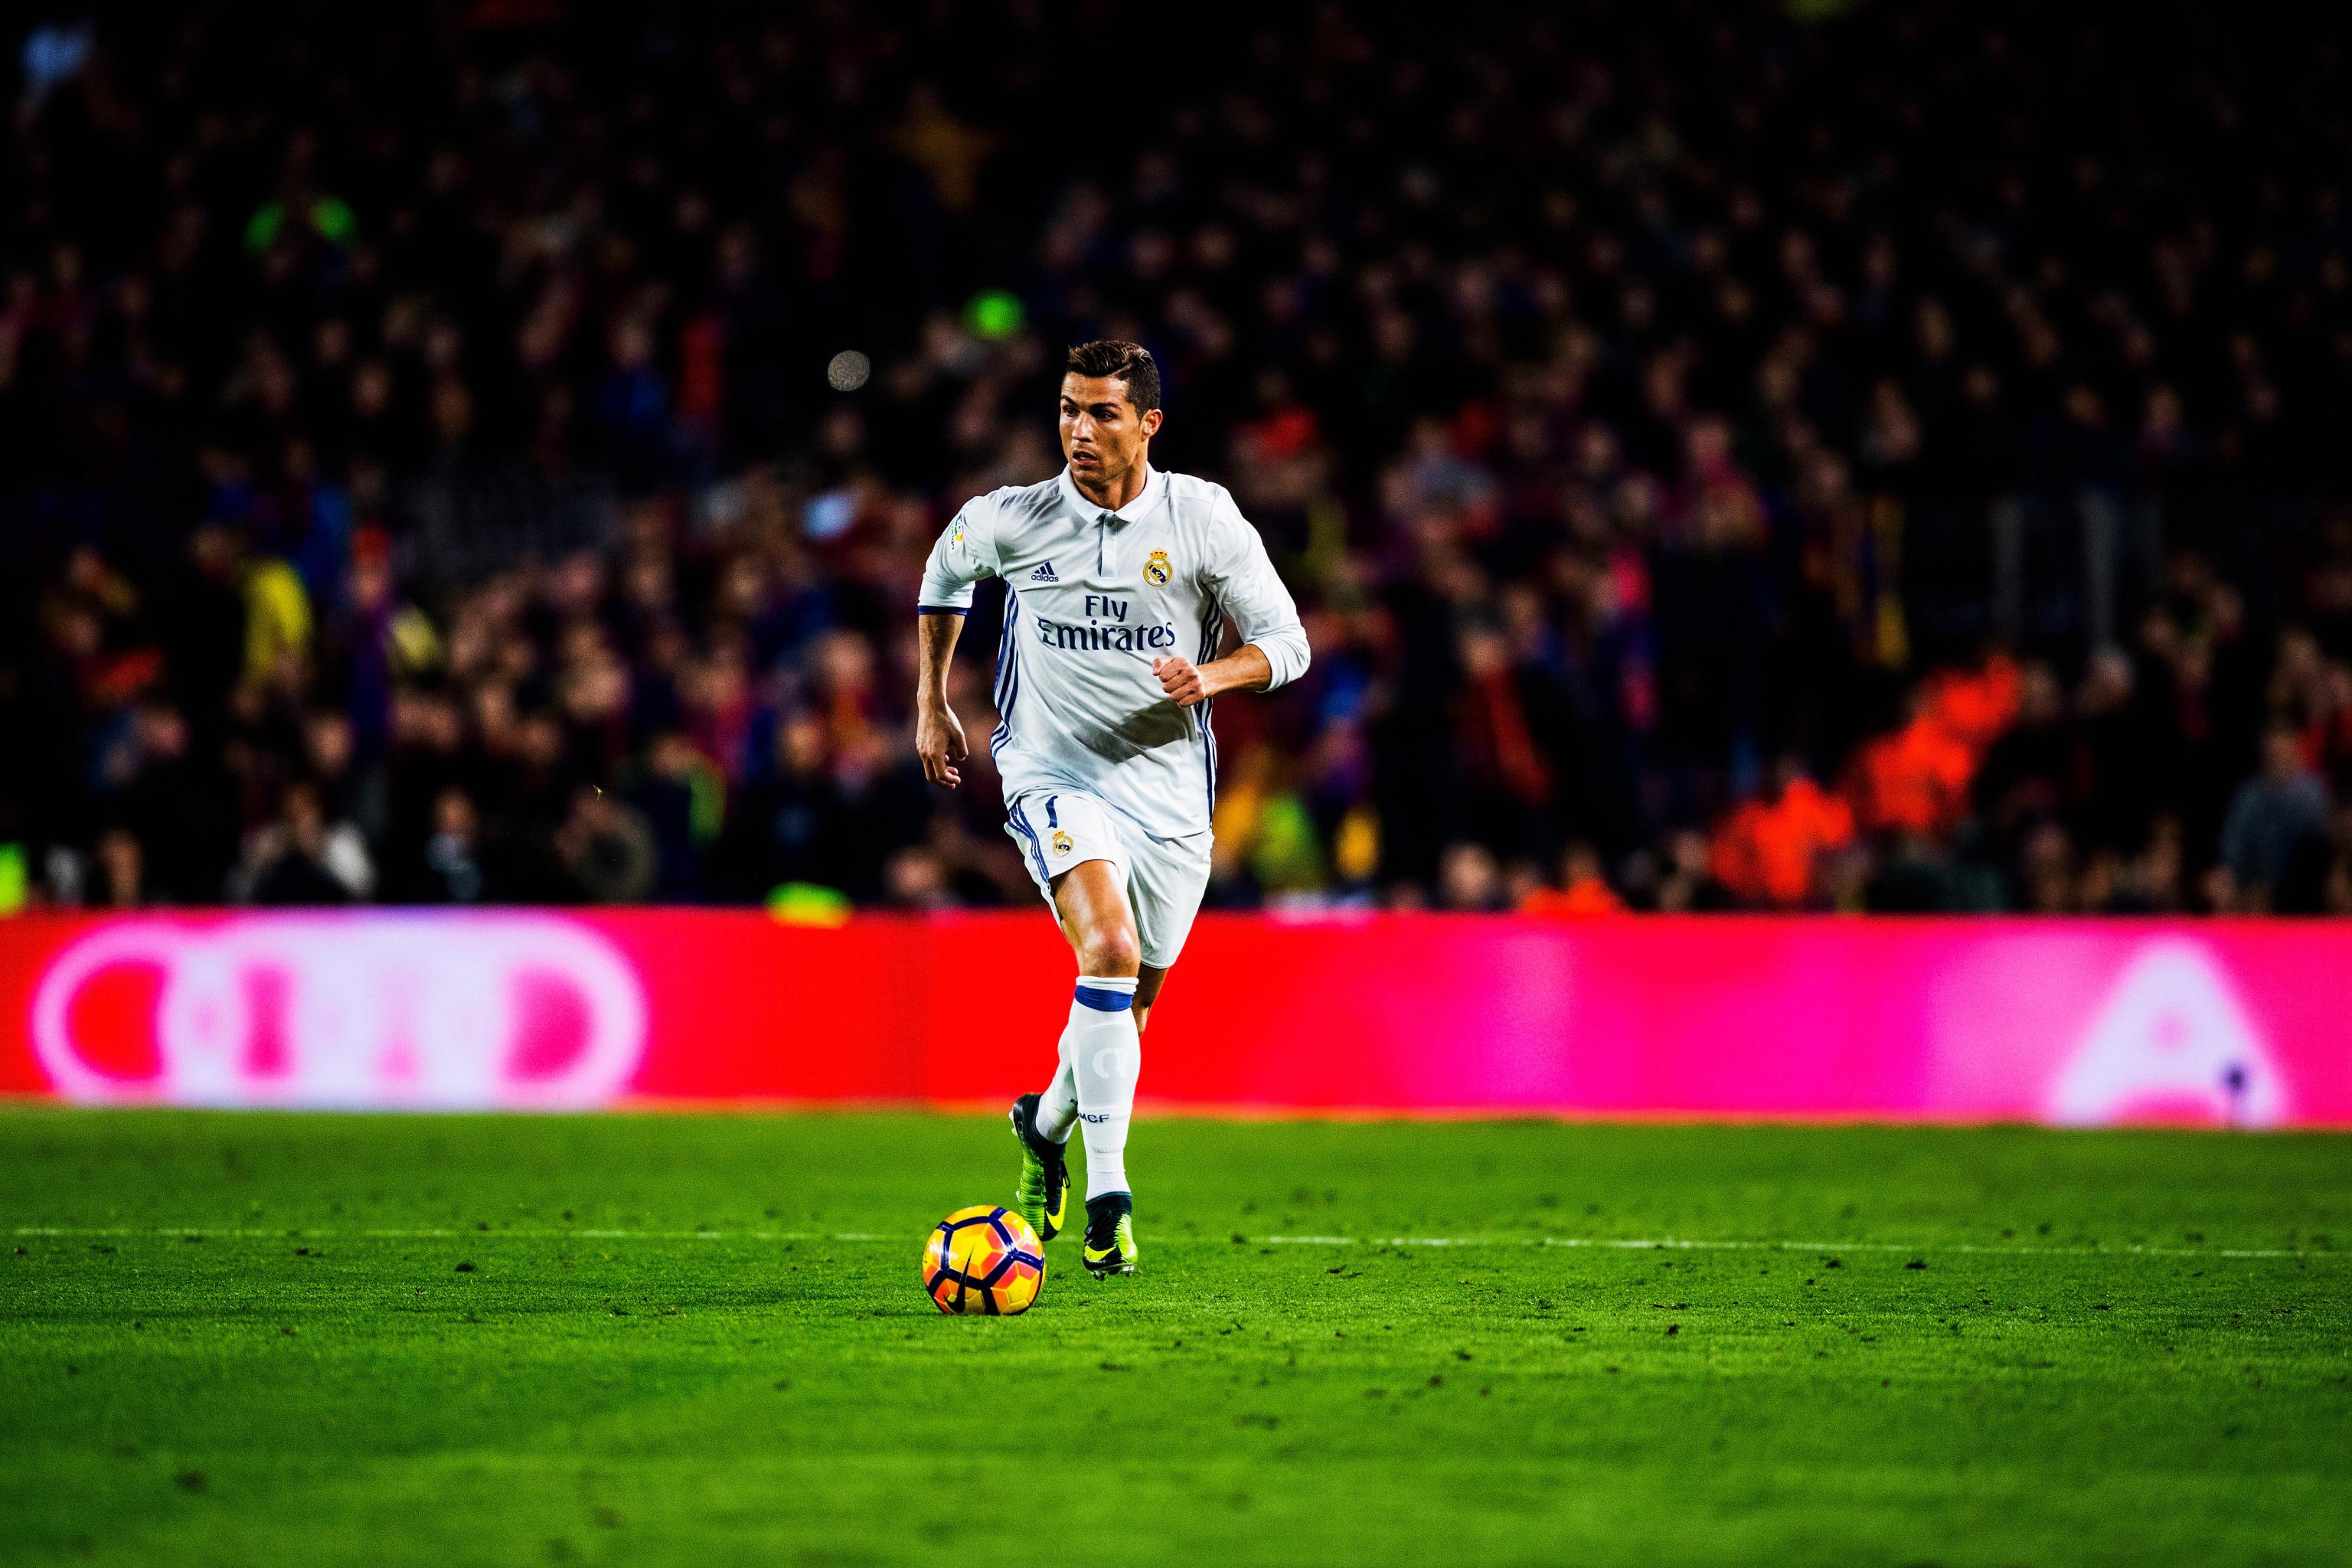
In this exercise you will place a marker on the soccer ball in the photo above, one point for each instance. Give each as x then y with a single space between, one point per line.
984 1259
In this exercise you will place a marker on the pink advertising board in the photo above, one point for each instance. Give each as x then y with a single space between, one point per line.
2073 1023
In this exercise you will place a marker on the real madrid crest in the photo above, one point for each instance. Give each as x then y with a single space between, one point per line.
1061 845
1156 570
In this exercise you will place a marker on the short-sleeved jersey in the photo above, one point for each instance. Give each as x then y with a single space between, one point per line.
1093 597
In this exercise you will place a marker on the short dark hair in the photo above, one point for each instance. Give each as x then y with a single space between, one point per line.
1121 360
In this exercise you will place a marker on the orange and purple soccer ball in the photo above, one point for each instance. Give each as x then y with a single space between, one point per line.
984 1259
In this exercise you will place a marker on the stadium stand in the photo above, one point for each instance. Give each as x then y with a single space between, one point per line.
1730 458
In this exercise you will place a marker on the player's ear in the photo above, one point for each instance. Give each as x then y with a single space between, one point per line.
1151 422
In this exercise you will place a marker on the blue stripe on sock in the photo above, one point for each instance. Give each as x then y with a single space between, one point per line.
1103 1001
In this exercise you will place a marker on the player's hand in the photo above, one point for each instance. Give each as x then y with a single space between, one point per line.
1179 680
939 741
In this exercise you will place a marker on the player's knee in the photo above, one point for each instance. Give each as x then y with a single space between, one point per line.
1111 949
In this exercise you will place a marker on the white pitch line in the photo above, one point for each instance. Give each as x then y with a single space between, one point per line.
309 1233
1684 1244
1614 1244
1832 1248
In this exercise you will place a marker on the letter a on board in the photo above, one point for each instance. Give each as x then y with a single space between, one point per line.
2171 1043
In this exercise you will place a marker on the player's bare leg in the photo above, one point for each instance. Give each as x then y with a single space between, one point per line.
1057 1108
1096 920
1148 981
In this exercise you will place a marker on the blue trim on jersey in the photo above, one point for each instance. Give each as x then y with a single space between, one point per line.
1008 671
1209 752
996 742
1212 630
1051 820
1103 1001
942 609
1005 647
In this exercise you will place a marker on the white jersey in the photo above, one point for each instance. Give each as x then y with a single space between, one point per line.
1093 597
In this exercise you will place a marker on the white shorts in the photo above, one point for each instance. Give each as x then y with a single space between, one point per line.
1059 828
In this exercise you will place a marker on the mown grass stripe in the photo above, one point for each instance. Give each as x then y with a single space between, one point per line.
1613 1243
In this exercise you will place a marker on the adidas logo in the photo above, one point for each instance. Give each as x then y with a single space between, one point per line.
1044 573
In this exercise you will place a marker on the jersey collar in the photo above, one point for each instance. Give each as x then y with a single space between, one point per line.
1144 498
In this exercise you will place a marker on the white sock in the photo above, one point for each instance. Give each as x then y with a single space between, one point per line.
1103 1054
1057 1108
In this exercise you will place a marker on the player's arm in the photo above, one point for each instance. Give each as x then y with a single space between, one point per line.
1274 643
1246 668
964 554
939 734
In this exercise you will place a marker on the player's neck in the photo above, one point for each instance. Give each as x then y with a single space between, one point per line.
1119 490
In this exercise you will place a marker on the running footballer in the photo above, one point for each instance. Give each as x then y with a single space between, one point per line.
1119 579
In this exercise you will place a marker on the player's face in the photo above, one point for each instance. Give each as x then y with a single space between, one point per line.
1103 435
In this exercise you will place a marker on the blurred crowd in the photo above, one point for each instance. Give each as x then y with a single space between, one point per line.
1600 378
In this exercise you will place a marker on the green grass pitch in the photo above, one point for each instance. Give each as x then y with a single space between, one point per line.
279 1339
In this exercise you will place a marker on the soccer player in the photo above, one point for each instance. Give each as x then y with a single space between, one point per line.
1119 580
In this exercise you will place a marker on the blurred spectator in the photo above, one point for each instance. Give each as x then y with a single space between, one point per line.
914 880
1767 853
606 850
2274 844
794 823
1469 880
1688 884
452 872
1584 890
120 871
302 857
682 800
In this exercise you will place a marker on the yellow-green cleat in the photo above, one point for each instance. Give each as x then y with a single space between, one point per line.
1043 1191
1110 1236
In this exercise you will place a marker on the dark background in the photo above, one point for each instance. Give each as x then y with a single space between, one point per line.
1879 457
